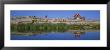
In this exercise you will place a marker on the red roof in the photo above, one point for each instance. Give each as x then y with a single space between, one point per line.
77 16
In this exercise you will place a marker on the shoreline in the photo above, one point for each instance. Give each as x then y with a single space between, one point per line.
31 33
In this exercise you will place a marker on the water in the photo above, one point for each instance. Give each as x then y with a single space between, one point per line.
92 35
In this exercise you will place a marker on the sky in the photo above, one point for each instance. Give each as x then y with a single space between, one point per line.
89 14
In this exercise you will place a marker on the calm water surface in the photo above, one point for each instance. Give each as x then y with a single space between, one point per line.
59 36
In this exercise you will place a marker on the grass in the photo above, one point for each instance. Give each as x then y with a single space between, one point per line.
46 27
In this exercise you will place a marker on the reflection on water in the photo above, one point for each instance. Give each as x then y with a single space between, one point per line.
78 34
58 35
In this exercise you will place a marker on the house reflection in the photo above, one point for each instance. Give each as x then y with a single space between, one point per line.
77 34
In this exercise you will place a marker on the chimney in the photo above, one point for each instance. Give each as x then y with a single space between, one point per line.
45 16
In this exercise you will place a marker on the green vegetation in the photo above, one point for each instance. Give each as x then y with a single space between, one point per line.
47 27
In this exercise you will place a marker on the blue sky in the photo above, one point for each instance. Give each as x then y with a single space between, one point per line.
89 14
